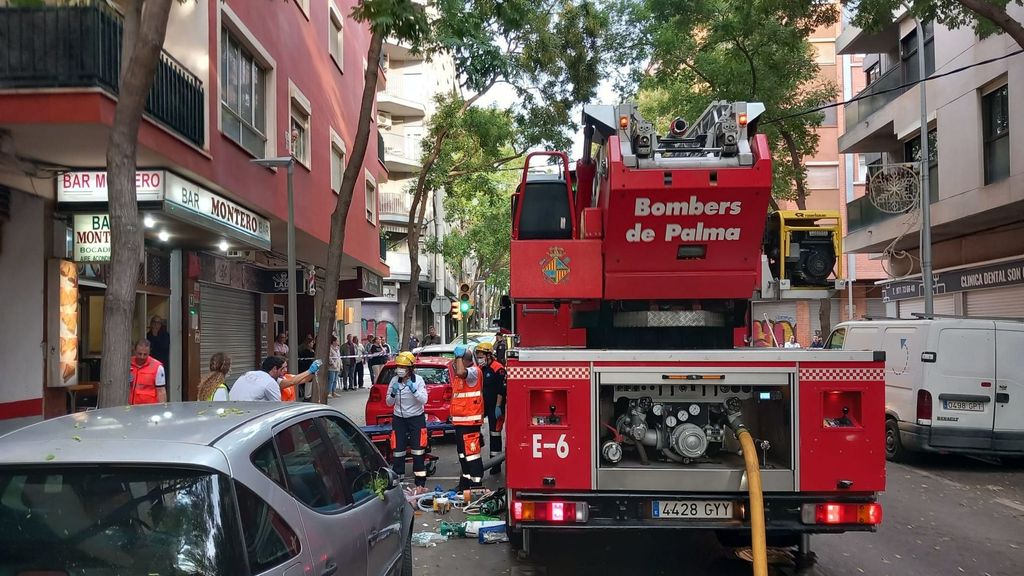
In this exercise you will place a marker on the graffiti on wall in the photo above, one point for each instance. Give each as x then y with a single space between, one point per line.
381 321
783 329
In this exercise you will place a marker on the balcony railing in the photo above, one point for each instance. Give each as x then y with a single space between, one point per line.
861 213
407 148
395 203
80 46
380 147
860 110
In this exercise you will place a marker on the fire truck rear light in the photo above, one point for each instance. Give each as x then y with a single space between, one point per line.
554 512
742 120
835 513
623 122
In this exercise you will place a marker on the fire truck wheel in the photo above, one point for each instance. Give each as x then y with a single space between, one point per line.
894 450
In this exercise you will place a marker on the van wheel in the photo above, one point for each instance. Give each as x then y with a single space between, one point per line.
894 451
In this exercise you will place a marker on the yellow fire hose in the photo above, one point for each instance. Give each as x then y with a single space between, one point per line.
757 531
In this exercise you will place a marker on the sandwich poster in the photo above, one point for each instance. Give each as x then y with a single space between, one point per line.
64 327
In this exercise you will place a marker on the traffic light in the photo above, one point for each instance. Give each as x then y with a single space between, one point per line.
464 300
456 314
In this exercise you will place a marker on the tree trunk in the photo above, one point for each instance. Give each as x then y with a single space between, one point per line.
417 213
145 26
797 160
998 16
825 316
339 218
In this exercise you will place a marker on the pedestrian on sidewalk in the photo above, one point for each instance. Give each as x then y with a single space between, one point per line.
414 342
305 357
348 360
467 413
213 388
407 392
268 382
333 367
360 361
376 357
147 382
432 337
281 345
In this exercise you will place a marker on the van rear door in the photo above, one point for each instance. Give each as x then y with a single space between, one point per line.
1008 433
961 382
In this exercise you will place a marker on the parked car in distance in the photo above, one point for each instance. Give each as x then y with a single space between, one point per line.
952 385
481 337
437 372
441 350
200 489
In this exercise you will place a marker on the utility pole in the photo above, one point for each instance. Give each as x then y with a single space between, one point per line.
926 214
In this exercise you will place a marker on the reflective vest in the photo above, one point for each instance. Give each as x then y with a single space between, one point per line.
467 402
288 394
143 382
214 393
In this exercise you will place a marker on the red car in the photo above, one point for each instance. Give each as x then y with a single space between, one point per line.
437 372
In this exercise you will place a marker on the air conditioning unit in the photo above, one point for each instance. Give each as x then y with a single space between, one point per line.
247 255
384 120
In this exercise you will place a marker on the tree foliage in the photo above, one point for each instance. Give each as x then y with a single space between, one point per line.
546 51
986 17
693 52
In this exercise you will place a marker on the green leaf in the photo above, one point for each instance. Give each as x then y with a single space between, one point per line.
50 457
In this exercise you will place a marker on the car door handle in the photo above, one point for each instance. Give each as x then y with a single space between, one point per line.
1002 397
330 568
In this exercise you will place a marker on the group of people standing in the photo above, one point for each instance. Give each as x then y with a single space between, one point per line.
346 362
478 390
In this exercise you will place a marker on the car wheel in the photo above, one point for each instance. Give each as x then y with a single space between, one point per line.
894 450
405 564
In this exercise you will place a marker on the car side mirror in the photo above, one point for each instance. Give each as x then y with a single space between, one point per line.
393 478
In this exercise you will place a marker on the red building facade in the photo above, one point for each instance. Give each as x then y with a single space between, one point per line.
238 81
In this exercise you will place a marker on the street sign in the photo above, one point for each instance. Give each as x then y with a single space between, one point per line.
440 305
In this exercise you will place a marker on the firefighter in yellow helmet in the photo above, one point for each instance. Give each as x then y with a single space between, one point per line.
407 392
494 396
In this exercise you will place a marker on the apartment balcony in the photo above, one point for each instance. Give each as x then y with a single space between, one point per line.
854 40
60 47
402 153
394 207
398 101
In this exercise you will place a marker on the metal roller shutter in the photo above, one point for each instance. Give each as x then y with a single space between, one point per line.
997 302
943 304
227 323
875 308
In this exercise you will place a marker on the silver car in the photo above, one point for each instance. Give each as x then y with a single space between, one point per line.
200 489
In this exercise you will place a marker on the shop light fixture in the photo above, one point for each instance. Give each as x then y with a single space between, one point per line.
223 246
148 221
163 236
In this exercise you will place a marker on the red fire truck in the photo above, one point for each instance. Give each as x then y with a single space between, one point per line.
632 384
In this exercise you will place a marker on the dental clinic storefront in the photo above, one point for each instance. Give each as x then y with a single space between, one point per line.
194 311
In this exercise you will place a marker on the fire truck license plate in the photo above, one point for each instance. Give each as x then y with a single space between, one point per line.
696 509
961 405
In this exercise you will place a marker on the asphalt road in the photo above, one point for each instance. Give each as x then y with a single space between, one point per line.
942 516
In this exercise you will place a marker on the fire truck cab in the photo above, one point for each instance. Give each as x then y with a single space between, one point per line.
631 385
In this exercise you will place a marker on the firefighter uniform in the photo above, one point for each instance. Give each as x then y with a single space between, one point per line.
408 395
495 396
467 415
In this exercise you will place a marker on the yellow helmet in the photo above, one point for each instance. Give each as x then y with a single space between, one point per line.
405 359
485 347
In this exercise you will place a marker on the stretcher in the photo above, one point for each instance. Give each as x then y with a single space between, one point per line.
380 435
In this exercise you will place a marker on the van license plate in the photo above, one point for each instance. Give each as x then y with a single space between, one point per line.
692 509
962 405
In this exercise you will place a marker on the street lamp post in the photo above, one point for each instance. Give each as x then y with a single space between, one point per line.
288 162
926 201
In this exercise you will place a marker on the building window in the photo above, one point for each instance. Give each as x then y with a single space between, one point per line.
337 167
996 133
825 52
830 114
243 96
912 153
336 38
299 114
873 73
908 54
371 200
823 177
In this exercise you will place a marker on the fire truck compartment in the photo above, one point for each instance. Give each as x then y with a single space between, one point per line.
662 428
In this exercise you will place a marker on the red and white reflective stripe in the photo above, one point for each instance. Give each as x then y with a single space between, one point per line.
549 373
473 394
842 374
467 419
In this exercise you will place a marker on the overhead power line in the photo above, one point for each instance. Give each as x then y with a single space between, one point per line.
894 89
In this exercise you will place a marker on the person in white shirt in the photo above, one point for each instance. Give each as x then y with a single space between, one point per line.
792 343
407 392
266 383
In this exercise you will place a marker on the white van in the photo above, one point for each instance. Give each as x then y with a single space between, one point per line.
951 384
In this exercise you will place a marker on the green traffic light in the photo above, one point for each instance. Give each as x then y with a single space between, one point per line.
464 306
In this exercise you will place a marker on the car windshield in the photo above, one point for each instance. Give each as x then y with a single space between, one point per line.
106 521
430 374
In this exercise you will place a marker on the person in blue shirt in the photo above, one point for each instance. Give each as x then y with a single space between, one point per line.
407 392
